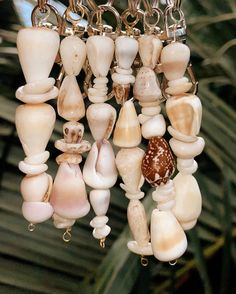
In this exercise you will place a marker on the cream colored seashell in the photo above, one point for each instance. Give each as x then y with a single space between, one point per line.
37 212
187 150
122 79
185 114
99 169
73 54
34 124
138 222
39 87
99 221
164 193
127 132
69 197
101 119
154 127
150 48
101 233
180 136
174 60
151 111
188 200
187 169
140 250
189 225
166 206
38 158
168 239
33 189
37 50
128 162
100 51
100 200
147 87
36 98
70 103
32 169
62 223
179 89
126 49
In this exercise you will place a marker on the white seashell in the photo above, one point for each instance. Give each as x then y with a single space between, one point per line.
34 124
151 111
128 162
99 169
127 132
101 119
187 150
179 89
123 71
39 87
174 59
101 233
168 239
187 169
100 51
147 87
62 223
99 221
188 200
164 192
73 54
37 212
37 50
189 225
70 103
154 127
126 49
166 206
31 169
36 98
100 200
140 250
37 158
123 79
138 222
33 189
150 48
181 137
69 197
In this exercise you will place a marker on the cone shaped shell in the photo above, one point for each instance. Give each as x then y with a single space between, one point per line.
34 124
37 50
62 223
167 236
99 169
127 132
174 60
37 212
100 51
70 103
126 49
101 119
69 197
146 87
73 54
188 200
100 200
128 162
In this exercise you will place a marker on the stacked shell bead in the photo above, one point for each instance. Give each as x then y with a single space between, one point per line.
35 119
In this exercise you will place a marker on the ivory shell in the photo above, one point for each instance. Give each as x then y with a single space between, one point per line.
37 212
154 127
37 50
126 49
187 150
62 223
100 200
168 239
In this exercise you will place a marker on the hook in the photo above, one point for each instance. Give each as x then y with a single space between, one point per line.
148 7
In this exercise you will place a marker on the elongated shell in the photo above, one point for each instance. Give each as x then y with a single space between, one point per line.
126 49
37 212
167 236
37 50
100 200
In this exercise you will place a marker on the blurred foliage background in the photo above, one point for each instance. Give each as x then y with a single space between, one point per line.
40 262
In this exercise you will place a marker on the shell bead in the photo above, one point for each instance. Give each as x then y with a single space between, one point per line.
187 150
37 212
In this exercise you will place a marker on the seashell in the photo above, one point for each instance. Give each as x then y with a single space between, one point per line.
127 132
69 198
188 200
154 127
37 59
37 212
181 137
62 223
140 250
70 103
121 92
185 114
33 189
174 59
189 225
100 200
123 79
138 222
126 49
187 150
37 159
74 148
147 87
101 233
39 87
99 221
187 169
73 54
73 132
158 163
31 169
179 89
150 111
168 239
36 98
100 51
128 162
69 158
34 124
100 169
150 48
164 196
123 71
101 119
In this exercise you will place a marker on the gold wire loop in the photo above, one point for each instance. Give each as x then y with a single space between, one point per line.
102 243
148 7
31 227
67 235
193 79
144 261
42 5
173 262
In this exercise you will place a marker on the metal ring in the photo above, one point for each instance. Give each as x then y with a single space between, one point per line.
156 11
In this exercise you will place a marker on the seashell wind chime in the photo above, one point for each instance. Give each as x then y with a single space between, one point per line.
138 54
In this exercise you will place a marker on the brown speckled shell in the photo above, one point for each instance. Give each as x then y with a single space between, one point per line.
158 163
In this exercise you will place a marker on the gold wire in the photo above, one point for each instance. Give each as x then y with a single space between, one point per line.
144 261
102 243
67 235
173 262
31 227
